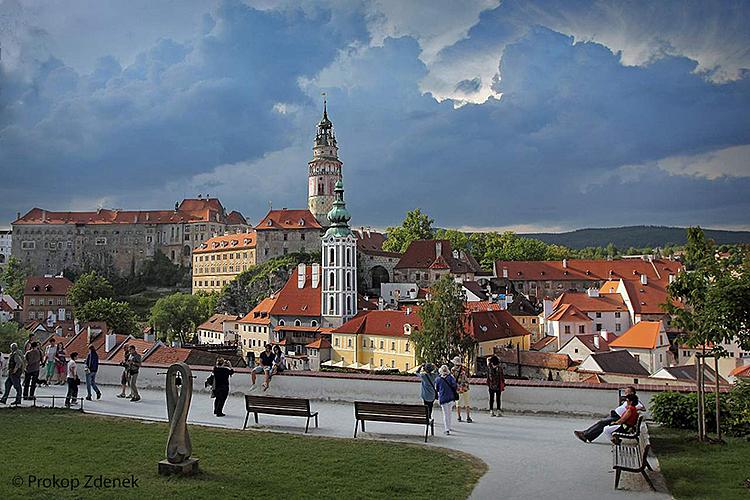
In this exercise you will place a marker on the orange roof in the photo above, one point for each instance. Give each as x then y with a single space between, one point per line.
646 299
606 302
294 301
481 305
643 335
216 322
319 343
227 242
568 312
741 371
609 286
167 355
387 323
260 313
141 346
288 219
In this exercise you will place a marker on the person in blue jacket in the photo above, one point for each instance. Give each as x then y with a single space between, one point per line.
91 367
427 375
447 390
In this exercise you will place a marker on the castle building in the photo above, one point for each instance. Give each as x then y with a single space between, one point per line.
324 170
339 254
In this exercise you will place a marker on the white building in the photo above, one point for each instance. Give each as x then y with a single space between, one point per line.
608 311
568 321
339 254
6 240
648 343
219 329
581 346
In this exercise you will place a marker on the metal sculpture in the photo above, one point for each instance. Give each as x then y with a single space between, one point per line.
179 387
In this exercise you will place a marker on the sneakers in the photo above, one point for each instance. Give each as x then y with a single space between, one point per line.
121 396
252 387
498 414
220 415
98 395
447 433
579 435
265 387
460 419
88 398
469 420
133 400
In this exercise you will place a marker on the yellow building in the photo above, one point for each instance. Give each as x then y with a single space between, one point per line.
255 328
220 259
378 339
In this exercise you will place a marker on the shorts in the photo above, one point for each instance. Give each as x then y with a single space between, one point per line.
463 399
261 369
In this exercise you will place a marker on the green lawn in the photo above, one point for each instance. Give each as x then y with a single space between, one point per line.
234 464
695 470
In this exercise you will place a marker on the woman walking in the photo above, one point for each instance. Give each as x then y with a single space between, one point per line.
61 363
222 372
447 395
73 380
427 375
495 384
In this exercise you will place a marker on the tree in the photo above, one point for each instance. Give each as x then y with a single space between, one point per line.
416 226
459 240
118 315
178 315
160 271
442 334
710 302
11 333
13 278
88 287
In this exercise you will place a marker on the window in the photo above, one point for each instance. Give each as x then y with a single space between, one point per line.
618 327
32 301
100 241
382 344
348 256
336 341
393 346
407 348
407 367
314 323
598 327
575 350
533 321
330 306
331 257
28 245
381 361
297 322
393 363
364 342
617 314
349 343
331 280
598 315
567 328
281 322
372 344
581 329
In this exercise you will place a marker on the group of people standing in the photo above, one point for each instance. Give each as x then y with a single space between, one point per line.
131 366
450 387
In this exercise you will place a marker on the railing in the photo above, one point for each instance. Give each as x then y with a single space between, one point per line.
78 401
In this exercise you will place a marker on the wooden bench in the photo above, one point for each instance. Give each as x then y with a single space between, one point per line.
270 405
631 454
397 413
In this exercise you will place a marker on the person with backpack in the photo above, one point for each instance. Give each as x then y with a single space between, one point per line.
134 366
447 390
495 384
427 375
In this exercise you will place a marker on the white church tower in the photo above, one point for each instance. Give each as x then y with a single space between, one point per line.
339 256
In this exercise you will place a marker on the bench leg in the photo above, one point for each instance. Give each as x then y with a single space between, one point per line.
363 426
356 425
244 426
426 432
307 424
648 480
432 427
256 418
618 472
316 421
647 465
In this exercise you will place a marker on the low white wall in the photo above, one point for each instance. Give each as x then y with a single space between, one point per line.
519 396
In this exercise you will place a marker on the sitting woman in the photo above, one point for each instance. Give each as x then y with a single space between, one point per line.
627 422
278 366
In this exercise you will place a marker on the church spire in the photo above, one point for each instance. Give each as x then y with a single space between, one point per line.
325 135
339 216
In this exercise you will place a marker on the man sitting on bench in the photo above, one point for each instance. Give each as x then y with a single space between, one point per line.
628 420
596 430
266 364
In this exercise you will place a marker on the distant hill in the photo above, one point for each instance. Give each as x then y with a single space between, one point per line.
634 236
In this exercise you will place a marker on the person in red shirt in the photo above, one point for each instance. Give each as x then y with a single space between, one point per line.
627 421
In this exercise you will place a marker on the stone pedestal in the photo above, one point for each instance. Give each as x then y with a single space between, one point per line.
187 468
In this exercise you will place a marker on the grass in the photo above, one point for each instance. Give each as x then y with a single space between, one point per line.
234 464
696 470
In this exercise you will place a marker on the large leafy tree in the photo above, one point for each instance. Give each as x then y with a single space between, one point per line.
118 315
178 315
416 226
89 286
459 240
13 278
11 333
442 334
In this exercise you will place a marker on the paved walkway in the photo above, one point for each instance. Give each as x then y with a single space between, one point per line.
528 456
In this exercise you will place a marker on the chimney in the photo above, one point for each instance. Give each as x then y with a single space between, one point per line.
109 342
505 273
408 311
368 231
76 326
381 304
565 263
59 331
671 278
438 248
89 337
18 215
596 342
644 279
593 292
301 271
315 275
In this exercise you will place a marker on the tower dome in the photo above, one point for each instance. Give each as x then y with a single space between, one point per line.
339 216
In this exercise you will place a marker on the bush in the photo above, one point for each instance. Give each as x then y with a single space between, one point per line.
680 410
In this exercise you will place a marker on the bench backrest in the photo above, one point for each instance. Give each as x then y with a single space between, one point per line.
396 410
275 402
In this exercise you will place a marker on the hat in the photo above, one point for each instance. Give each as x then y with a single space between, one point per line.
457 361
444 371
428 367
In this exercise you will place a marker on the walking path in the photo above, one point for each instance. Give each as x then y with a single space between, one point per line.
528 456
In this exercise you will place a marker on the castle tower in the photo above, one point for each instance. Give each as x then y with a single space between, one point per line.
339 300
324 170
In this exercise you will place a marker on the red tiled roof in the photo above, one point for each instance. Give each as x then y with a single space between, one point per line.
481 305
371 243
288 219
227 242
167 355
311 329
543 342
294 301
216 322
43 285
643 335
588 341
568 312
534 358
319 343
646 298
190 210
387 323
235 218
741 372
422 254
260 313
605 302
493 325
80 343
141 346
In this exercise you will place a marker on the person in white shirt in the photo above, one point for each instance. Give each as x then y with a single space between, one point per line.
596 430
73 380
49 360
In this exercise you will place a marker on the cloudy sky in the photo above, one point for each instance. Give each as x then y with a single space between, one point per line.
531 115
